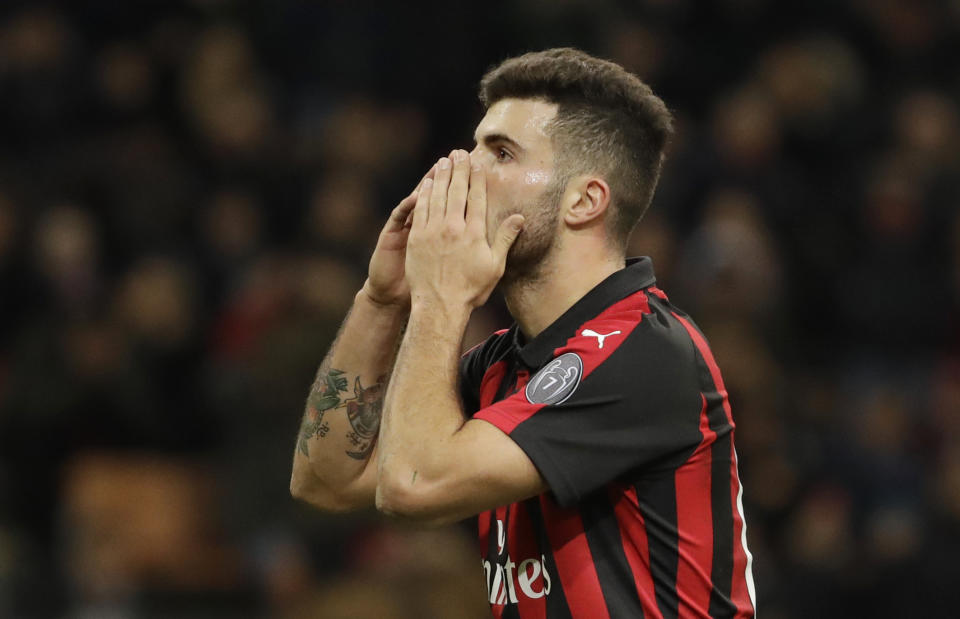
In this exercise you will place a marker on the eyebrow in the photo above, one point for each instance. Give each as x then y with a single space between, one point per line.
494 138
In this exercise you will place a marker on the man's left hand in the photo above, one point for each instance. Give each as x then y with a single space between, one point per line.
449 260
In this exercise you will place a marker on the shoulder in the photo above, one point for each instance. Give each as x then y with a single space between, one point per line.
640 330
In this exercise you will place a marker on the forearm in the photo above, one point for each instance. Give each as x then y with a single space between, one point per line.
423 410
342 417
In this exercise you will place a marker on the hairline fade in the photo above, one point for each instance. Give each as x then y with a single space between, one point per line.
608 122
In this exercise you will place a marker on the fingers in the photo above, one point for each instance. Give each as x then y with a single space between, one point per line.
430 174
477 200
457 193
400 216
507 233
421 210
446 186
438 197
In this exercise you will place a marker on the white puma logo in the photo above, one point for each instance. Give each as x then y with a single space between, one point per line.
600 336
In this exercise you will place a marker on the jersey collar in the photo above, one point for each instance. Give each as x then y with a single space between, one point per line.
637 275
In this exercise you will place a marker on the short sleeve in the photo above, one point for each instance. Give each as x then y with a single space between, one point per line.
635 410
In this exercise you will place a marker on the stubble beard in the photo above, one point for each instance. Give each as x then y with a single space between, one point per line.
529 258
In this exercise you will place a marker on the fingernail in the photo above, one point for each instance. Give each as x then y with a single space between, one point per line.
444 164
458 156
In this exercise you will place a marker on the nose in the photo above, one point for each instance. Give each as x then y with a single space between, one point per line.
480 155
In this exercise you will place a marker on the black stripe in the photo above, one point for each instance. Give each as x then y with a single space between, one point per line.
557 606
510 611
609 558
658 504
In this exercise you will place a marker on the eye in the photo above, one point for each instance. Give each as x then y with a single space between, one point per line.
503 155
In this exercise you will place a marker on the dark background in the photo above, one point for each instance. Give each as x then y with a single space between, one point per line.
189 192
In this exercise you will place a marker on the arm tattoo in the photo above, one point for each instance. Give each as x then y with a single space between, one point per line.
364 414
324 395
363 411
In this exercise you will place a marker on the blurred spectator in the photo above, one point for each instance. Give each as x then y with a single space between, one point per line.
140 530
224 94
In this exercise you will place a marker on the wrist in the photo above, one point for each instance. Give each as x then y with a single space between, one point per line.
449 314
368 296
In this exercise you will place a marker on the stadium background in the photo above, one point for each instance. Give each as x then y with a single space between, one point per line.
189 192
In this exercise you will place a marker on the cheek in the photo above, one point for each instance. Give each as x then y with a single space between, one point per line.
536 179
510 190
520 185
495 201
497 184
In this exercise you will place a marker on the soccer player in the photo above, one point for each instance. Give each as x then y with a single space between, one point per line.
593 439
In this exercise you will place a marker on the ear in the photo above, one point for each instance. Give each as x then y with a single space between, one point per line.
586 201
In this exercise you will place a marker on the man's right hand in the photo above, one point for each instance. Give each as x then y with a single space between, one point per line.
386 281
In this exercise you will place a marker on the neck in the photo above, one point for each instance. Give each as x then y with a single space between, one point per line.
535 303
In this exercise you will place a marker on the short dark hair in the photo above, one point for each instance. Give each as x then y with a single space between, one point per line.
608 122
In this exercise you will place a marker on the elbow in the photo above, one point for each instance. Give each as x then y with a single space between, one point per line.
390 501
311 491
410 500
301 489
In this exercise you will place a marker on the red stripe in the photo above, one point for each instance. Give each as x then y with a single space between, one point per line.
695 525
497 609
491 382
658 292
739 594
508 414
573 559
633 534
623 316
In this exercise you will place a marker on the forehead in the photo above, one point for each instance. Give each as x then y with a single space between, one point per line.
523 120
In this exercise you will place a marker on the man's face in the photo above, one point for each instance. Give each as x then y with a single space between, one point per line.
515 149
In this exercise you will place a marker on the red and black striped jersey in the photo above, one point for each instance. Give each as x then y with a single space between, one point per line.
621 407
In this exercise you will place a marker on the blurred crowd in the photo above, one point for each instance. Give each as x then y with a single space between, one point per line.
189 193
